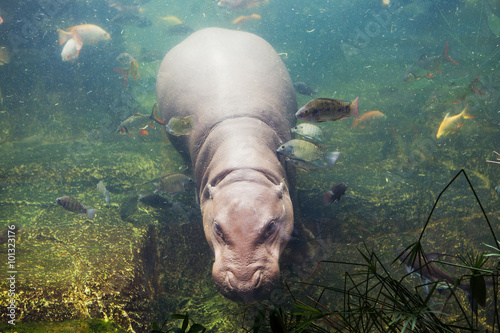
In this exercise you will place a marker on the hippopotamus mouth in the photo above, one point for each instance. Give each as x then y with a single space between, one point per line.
254 285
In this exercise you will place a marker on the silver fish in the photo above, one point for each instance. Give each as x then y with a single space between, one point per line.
173 184
306 151
182 126
309 132
101 187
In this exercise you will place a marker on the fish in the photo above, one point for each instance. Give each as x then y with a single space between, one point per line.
304 89
1 20
74 206
306 151
241 4
101 187
141 121
368 119
171 20
425 66
127 14
422 265
451 124
309 132
246 18
69 52
180 29
457 93
155 201
83 34
497 189
125 58
182 126
4 55
173 184
128 207
133 70
336 192
326 109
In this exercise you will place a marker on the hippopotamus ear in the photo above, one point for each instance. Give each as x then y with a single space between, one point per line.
279 189
211 190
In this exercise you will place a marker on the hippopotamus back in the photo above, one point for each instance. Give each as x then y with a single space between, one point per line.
241 95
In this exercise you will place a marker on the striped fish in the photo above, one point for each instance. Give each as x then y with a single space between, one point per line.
74 206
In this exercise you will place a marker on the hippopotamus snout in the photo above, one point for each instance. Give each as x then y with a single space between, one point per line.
246 285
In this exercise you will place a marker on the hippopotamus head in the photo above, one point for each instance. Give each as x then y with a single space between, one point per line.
247 224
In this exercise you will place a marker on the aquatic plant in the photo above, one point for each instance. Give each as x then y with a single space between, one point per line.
185 326
375 301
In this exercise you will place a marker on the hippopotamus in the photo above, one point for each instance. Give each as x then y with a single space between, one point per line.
241 95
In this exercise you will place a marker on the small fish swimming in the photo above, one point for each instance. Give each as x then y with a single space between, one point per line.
132 70
125 58
309 132
241 4
182 126
173 184
368 119
139 121
171 20
101 187
83 34
304 89
425 66
423 266
497 189
179 30
129 14
155 201
74 206
334 194
246 18
4 55
326 109
453 123
69 51
306 151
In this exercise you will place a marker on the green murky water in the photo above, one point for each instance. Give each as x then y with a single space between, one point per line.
135 264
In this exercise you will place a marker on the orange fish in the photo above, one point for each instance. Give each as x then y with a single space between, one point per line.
451 124
246 18
133 71
1 20
85 33
143 131
365 119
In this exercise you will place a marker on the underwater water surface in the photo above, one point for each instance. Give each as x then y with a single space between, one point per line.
65 126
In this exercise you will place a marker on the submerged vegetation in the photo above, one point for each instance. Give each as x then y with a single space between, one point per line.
375 299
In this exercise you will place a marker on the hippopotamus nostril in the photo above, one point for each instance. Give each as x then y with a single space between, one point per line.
257 278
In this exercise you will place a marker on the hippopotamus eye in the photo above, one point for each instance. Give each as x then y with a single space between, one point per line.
270 228
218 230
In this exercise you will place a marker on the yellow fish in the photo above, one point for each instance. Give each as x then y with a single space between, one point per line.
451 124
171 20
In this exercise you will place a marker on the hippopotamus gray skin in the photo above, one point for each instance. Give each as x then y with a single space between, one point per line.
242 96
